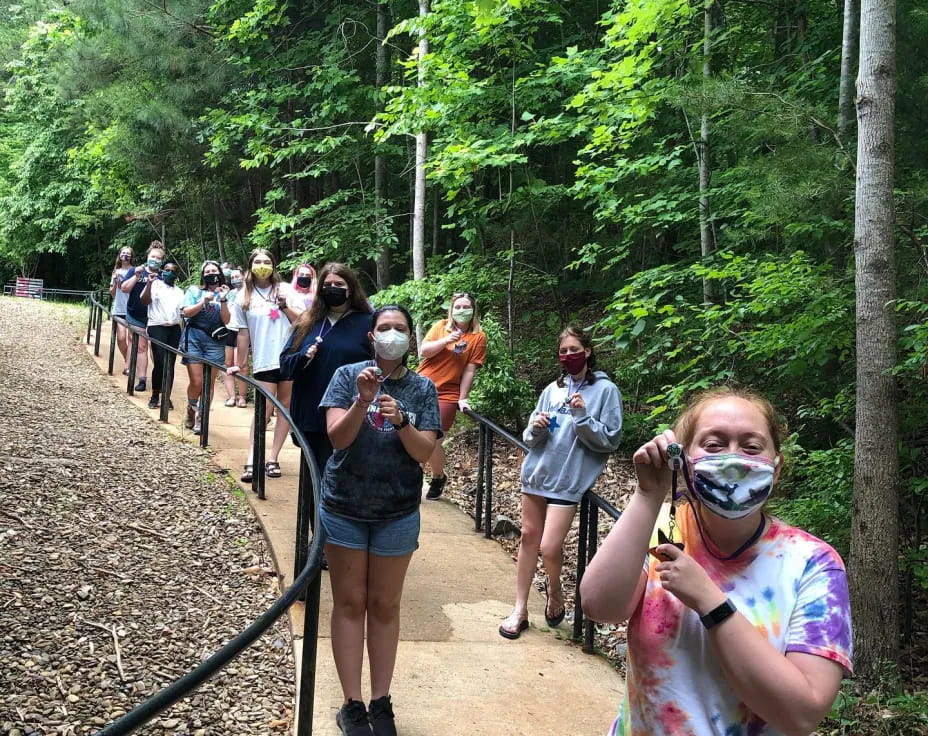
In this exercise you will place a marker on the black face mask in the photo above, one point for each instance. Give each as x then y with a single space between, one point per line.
304 282
212 279
334 296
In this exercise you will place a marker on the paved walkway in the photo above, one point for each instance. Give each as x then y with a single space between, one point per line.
454 673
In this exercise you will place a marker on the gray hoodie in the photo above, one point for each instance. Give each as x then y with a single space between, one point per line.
566 458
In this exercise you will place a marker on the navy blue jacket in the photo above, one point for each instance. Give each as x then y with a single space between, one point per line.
344 343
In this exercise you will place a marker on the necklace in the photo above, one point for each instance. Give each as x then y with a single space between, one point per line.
380 376
331 325
271 298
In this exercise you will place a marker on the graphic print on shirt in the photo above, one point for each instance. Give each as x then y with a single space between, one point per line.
376 420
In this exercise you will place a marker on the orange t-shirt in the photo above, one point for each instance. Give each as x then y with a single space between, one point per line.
446 368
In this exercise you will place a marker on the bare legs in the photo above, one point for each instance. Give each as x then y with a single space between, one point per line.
544 528
141 365
281 428
228 381
122 342
437 461
366 589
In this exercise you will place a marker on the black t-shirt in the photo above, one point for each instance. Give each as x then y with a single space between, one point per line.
134 306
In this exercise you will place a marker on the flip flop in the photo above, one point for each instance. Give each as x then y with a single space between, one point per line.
509 634
552 621
230 402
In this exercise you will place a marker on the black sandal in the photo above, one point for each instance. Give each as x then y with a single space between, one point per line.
272 469
553 621
248 474
509 633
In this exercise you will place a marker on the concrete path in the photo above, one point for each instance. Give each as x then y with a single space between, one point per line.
454 673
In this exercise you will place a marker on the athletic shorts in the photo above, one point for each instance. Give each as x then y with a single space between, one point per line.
393 538
447 410
271 376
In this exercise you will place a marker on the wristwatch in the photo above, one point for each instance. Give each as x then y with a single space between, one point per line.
718 614
404 420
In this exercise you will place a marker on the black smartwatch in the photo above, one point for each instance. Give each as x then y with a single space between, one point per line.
404 420
718 614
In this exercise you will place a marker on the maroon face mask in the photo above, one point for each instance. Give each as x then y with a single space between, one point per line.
573 362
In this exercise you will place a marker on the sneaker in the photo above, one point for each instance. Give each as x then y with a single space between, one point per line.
197 424
191 416
381 715
352 719
142 385
153 402
436 487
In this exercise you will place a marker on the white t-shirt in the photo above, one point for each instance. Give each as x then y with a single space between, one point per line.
120 298
790 585
267 325
165 304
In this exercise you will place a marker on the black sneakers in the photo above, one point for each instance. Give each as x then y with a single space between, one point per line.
153 402
436 486
141 385
352 719
381 716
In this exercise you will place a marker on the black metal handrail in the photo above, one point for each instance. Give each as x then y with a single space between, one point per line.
590 505
307 580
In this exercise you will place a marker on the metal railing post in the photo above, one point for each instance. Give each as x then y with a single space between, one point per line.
257 478
481 449
206 397
592 540
488 480
96 337
133 362
92 306
304 512
581 565
112 358
308 663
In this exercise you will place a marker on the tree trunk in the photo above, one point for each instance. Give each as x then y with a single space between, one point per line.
380 161
848 68
217 220
873 565
706 236
418 209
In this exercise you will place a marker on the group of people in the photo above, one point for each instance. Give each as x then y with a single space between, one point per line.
737 622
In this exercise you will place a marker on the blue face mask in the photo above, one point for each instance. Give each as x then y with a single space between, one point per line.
168 277
154 263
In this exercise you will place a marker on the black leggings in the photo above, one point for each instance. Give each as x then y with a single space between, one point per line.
169 334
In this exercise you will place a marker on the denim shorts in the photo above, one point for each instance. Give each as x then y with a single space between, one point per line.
200 345
393 538
135 323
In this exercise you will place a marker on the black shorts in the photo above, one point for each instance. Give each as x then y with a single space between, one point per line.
231 338
271 376
560 502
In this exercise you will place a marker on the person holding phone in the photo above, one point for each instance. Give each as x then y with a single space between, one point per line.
120 301
452 351
204 336
136 312
747 628
576 424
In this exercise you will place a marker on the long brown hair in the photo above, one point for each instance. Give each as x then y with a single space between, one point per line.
357 301
119 260
587 342
248 281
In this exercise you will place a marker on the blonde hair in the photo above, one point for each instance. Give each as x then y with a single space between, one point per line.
685 426
474 321
248 280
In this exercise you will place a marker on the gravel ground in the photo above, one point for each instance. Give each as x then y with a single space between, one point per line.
616 484
125 559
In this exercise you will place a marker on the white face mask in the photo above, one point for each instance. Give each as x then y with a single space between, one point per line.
391 344
733 485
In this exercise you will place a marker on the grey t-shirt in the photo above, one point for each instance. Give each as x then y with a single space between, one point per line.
374 478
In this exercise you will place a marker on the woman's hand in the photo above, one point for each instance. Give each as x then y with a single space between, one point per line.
207 297
463 404
684 577
311 351
651 465
577 402
541 421
223 291
455 335
390 409
367 384
232 370
282 301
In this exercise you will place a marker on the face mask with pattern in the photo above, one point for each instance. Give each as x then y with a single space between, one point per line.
732 485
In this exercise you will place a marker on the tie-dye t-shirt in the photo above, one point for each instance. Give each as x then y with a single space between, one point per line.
790 585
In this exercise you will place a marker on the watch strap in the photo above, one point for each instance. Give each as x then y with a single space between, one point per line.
718 614
404 422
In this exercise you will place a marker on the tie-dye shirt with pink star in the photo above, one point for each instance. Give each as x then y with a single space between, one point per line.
789 584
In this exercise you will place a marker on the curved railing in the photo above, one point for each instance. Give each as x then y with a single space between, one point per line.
306 583
590 506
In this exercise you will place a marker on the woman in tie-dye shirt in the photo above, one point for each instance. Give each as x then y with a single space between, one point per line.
748 631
